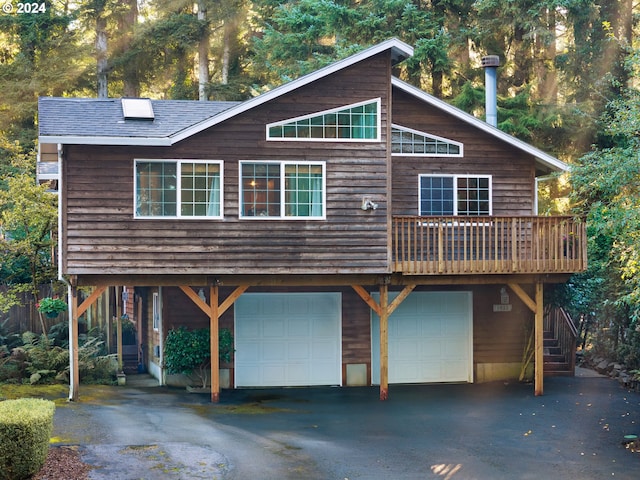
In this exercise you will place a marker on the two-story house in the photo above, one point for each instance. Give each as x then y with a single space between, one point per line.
348 227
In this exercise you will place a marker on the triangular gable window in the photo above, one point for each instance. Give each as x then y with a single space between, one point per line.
356 122
408 142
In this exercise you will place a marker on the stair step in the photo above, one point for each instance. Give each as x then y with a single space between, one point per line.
559 373
554 359
556 366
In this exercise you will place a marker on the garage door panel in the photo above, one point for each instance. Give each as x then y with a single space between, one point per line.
298 327
272 351
430 339
298 351
272 328
323 327
298 337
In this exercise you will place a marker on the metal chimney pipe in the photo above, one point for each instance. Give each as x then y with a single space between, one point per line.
490 63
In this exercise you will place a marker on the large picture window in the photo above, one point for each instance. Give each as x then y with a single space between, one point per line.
356 122
178 188
282 189
455 195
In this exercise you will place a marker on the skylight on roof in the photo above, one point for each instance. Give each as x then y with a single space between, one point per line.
140 108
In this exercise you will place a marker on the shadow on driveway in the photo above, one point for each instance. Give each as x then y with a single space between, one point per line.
453 432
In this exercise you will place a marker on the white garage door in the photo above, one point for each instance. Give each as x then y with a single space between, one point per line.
290 339
430 339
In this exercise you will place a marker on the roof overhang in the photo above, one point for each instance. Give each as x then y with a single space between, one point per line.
115 141
547 161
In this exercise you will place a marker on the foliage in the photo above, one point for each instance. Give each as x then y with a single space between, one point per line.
26 424
188 352
28 215
606 185
225 345
52 306
45 359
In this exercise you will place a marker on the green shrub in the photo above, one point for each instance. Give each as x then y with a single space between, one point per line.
189 351
26 425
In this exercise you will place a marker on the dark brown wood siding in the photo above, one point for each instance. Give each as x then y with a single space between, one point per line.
512 171
100 235
499 337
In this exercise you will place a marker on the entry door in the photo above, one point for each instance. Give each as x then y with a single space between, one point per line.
430 339
288 339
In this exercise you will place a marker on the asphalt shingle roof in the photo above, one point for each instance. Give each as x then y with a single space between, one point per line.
103 117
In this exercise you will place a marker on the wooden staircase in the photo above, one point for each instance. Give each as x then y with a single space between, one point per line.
559 343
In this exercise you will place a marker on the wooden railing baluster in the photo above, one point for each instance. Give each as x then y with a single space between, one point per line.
488 244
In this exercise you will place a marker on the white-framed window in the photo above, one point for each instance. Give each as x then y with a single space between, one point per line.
292 190
156 311
455 195
358 122
178 188
413 143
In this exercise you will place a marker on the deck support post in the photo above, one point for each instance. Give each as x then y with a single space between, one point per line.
384 342
536 305
214 334
74 369
539 340
214 309
76 311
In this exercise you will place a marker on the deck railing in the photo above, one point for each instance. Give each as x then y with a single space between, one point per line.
488 245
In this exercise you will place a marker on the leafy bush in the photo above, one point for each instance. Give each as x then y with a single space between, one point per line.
25 428
188 352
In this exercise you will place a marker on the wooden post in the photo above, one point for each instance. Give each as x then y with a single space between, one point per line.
74 370
539 343
213 328
384 342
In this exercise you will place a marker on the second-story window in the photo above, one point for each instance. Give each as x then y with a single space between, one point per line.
178 188
356 122
455 195
292 190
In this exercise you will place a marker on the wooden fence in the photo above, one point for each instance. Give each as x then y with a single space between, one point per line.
25 317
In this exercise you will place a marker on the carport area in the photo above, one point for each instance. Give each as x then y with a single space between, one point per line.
490 431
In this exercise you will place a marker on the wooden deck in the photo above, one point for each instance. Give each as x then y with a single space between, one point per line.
488 245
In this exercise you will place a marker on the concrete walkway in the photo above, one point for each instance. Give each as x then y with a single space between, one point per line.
453 432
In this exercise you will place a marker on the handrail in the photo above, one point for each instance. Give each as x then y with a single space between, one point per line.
437 245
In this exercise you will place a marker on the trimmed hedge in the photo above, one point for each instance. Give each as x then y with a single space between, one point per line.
26 425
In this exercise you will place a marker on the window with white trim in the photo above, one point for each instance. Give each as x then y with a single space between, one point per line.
408 142
455 195
355 122
282 190
178 188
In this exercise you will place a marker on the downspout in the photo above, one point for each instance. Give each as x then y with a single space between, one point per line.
490 63
73 340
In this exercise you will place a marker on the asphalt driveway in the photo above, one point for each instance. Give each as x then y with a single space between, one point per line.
453 432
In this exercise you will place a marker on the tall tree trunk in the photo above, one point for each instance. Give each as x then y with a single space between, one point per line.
548 81
101 56
127 22
203 54
226 52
